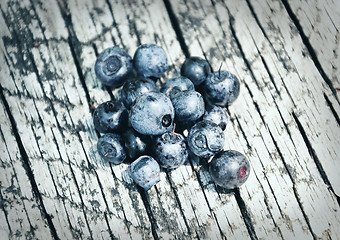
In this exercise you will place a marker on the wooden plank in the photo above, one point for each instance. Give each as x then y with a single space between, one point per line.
322 137
324 222
164 195
21 216
218 49
78 188
320 23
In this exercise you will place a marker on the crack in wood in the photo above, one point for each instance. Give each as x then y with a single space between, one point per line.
310 48
314 156
176 27
26 165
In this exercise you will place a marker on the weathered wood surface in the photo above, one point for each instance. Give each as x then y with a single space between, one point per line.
54 185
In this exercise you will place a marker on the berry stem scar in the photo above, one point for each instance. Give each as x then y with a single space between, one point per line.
219 70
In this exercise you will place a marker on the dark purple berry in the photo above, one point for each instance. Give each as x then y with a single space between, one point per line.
221 88
229 169
135 143
196 69
110 116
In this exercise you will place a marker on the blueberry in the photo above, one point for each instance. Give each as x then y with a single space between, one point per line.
152 114
170 150
110 147
112 66
150 60
205 139
134 87
196 69
177 84
188 105
135 143
145 171
216 114
222 88
229 169
110 116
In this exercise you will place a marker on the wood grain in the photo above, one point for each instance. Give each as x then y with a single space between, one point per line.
53 183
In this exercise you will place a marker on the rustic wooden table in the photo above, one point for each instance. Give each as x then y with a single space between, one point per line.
54 185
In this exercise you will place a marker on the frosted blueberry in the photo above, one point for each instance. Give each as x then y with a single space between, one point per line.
150 60
112 66
229 169
170 150
145 171
188 105
110 147
152 114
205 139
135 87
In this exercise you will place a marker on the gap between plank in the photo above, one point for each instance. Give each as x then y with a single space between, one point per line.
26 165
261 116
73 41
310 48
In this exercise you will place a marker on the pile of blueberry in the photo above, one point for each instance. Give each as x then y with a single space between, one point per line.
154 124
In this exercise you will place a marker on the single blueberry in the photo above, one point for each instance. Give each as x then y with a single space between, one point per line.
196 69
221 88
188 105
110 147
145 171
110 116
177 84
150 60
134 87
205 139
170 150
112 66
152 114
135 143
216 114
229 169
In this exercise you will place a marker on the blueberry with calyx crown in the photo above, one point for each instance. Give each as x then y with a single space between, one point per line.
152 114
205 139
112 66
110 147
